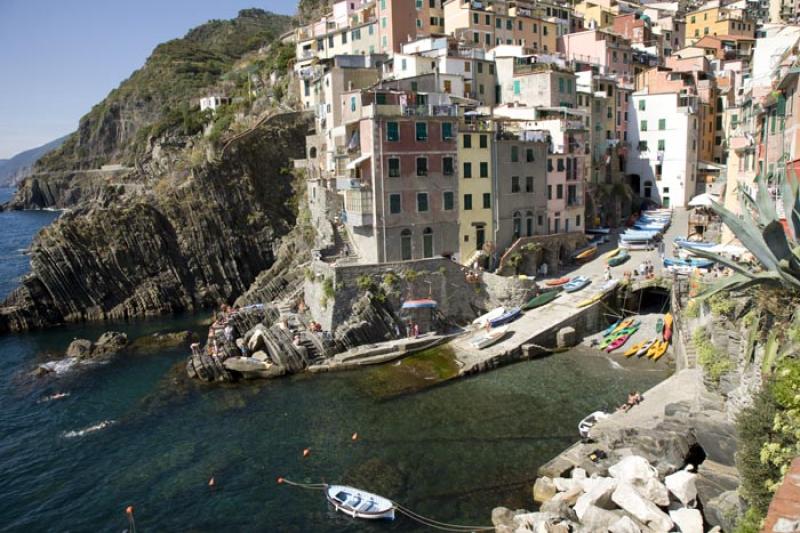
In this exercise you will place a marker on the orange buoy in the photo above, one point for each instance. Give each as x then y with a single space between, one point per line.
306 452
129 510
211 482
355 436
280 480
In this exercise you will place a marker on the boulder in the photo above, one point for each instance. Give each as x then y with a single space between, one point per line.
559 506
624 525
598 495
716 435
571 496
687 520
261 356
109 343
159 341
566 337
713 479
633 469
578 473
682 485
596 519
723 510
563 484
502 516
543 489
80 348
640 508
536 522
653 490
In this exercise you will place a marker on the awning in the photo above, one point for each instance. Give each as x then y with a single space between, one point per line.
702 200
425 303
357 161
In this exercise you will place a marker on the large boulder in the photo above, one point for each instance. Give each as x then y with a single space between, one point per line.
643 510
560 506
161 341
624 525
638 472
80 348
716 435
723 510
713 479
110 343
596 519
682 485
598 495
688 520
543 489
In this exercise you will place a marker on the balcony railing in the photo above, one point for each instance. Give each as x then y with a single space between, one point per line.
430 110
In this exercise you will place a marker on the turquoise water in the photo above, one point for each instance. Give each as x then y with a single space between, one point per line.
453 452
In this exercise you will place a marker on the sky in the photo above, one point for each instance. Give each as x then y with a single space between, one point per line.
60 57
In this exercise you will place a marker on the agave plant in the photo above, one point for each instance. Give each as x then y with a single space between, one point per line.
761 232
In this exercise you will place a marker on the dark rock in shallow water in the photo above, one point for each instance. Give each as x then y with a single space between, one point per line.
80 348
160 341
109 343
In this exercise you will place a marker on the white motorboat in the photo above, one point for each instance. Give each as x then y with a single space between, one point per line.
490 337
359 503
488 317
588 423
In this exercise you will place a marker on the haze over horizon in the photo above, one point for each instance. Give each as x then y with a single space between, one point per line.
59 59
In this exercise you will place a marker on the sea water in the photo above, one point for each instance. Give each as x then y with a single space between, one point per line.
135 432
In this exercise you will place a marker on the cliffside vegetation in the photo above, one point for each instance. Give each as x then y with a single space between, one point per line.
159 96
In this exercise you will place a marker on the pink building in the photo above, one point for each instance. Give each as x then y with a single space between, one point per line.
609 51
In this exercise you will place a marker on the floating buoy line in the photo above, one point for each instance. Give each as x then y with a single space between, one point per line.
424 520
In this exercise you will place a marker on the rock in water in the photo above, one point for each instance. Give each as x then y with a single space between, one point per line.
110 343
160 341
80 349
543 489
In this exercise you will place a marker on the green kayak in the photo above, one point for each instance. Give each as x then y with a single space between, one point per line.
608 339
660 326
619 259
542 299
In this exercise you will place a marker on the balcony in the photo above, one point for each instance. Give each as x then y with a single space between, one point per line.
429 110
698 220
358 207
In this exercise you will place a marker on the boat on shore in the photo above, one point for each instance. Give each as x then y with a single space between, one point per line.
577 284
590 301
585 425
487 317
586 254
509 316
598 231
692 263
543 299
359 503
489 338
619 258
556 282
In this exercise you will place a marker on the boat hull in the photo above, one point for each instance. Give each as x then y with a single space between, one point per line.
359 504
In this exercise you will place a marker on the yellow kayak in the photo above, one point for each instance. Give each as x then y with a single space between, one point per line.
612 253
668 321
622 325
635 348
589 301
662 349
654 349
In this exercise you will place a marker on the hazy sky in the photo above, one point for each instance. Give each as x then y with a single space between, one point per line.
60 57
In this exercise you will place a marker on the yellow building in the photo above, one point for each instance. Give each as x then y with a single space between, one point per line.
599 14
718 21
475 179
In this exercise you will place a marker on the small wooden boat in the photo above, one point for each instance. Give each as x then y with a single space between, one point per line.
491 315
585 425
612 253
587 254
492 336
359 503
619 258
590 301
661 350
577 284
556 282
543 299
509 316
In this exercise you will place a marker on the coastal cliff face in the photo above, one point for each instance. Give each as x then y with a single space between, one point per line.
195 239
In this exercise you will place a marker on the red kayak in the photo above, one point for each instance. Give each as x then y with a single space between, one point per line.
618 342
667 333
556 282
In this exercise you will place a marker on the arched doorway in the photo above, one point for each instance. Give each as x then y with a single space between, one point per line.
635 182
427 243
648 189
405 245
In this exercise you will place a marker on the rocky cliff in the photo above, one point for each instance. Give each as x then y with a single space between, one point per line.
190 240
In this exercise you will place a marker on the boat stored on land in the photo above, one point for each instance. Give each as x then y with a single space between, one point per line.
692 262
556 282
585 425
586 254
509 316
619 258
612 253
577 284
490 337
543 299
359 503
491 315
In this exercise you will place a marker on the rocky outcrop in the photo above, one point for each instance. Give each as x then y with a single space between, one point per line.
160 341
195 240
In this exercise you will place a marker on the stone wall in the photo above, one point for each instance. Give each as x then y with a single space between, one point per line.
556 250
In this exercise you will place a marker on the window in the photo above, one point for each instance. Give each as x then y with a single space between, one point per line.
448 200
467 170
394 203
642 146
448 167
498 22
569 86
561 85
549 192
488 20
330 41
514 183
517 88
422 202
394 167
491 68
392 131
509 24
403 64
422 131
487 200
405 245
475 18
529 223
662 123
352 104
560 164
544 32
529 184
467 66
693 19
717 141
559 192
643 125
514 154
467 202
659 169
661 145
427 242
383 22
549 165
380 98
422 166
483 141
577 221
414 86
642 105
529 155
447 131
484 169
480 68
517 221
467 141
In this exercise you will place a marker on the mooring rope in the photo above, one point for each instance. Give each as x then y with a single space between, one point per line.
424 520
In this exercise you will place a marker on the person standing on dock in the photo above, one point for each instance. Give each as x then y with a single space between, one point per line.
607 273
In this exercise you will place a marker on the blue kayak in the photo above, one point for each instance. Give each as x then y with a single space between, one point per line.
693 263
509 316
577 284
